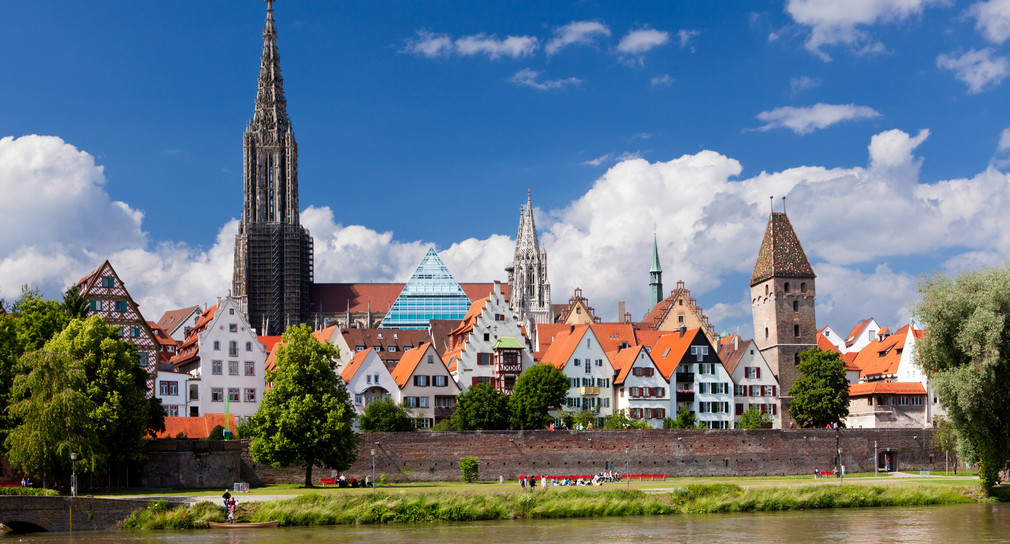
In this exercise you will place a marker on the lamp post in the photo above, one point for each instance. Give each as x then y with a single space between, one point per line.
627 466
373 469
841 467
73 476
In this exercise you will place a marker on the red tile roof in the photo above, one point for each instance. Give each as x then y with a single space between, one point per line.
171 319
856 331
195 427
881 357
731 357
670 350
625 359
408 363
825 344
564 345
189 352
351 368
886 388
649 338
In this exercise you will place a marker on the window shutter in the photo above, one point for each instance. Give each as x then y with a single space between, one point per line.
474 381
774 393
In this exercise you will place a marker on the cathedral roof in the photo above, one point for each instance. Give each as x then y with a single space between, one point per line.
781 254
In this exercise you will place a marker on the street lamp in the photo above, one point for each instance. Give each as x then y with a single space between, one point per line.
73 477
841 467
373 469
627 466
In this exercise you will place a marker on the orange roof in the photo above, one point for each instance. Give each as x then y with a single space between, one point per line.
195 427
190 349
547 332
649 338
670 350
564 345
882 356
351 368
625 359
825 344
856 331
850 360
270 342
161 336
886 388
731 357
611 335
408 363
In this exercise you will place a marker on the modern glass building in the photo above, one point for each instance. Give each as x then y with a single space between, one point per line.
431 293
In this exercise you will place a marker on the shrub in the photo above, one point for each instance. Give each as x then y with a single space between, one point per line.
468 468
217 433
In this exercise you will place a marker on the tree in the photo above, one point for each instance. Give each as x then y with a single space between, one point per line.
538 389
469 467
74 304
752 418
821 393
945 437
966 354
116 384
685 420
56 417
481 407
620 420
385 416
306 416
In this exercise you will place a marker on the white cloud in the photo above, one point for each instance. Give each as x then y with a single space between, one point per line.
816 117
661 81
844 23
637 42
1004 140
576 33
977 69
992 19
433 45
531 78
615 157
803 83
685 36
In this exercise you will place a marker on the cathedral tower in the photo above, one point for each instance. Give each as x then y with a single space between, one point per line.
782 299
273 252
655 277
529 290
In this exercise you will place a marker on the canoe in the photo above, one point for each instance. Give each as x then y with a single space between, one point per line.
260 525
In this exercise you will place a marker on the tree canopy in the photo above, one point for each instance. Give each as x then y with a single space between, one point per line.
821 393
685 420
385 416
620 420
481 407
752 418
537 390
966 354
306 416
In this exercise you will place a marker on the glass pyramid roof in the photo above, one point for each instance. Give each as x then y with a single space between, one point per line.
431 293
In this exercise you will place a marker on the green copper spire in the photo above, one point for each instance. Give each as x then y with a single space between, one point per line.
655 276
655 256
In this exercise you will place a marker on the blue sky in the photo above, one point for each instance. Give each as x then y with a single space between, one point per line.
423 123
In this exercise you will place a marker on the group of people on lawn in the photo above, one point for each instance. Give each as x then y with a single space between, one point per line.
598 479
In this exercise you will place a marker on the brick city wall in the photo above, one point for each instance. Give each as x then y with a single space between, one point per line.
65 513
427 456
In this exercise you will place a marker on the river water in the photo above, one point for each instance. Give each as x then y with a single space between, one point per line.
975 523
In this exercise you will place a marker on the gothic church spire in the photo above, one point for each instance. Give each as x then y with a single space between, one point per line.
271 108
529 290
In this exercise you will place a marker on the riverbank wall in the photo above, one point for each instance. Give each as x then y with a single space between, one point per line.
434 456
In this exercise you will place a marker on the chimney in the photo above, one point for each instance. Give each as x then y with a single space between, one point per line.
736 342
571 329
683 329
620 310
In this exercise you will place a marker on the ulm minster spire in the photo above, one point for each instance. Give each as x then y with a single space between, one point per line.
529 290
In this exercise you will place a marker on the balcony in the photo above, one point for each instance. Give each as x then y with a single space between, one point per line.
589 390
685 395
685 377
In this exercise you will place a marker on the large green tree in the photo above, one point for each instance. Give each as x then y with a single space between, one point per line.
966 354
116 385
538 389
821 392
56 417
481 407
385 416
306 416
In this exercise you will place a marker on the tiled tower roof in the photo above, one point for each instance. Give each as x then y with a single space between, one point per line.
781 254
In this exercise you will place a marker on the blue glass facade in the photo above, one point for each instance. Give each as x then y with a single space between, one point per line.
431 293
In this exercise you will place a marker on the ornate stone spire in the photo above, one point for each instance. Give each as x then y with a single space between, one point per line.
529 290
271 107
526 240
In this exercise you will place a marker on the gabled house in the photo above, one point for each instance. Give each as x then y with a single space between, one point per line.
577 311
678 310
178 323
754 383
828 338
225 361
425 386
697 375
388 344
108 298
167 346
861 335
579 354
488 345
639 387
367 379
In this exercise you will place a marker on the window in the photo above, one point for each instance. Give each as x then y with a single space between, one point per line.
216 367
916 401
588 345
232 327
796 330
755 390
250 394
95 305
680 318
194 391
233 368
173 411
599 362
766 332
134 332
483 358
752 372
499 317
231 311
421 381
168 388
357 399
703 388
487 337
411 402
423 402
375 379
440 381
108 281
359 348
377 349
217 394
248 346
233 348
250 368
368 379
589 367
121 306
803 287
233 394
578 363
431 359
786 287
739 391
393 349
796 305
217 345
699 352
444 402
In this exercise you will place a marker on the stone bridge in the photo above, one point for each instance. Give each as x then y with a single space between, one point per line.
30 514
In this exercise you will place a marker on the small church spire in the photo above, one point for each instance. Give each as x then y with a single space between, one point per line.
655 276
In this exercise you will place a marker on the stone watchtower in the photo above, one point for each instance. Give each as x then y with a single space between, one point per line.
782 299
273 252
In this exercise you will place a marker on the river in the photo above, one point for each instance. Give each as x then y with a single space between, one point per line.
975 523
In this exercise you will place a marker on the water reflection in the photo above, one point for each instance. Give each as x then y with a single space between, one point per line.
976 523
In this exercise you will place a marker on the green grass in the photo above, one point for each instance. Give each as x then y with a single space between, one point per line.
465 504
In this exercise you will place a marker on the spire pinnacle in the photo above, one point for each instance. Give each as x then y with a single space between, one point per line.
655 255
271 107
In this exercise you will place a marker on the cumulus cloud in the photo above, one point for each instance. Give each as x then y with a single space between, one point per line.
980 70
831 22
636 43
992 19
531 78
576 33
435 45
816 117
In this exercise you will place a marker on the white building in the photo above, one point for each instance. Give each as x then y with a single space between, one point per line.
171 387
424 385
224 360
754 383
697 376
476 353
579 355
639 387
367 379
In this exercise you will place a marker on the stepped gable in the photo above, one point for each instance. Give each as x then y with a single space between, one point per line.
781 253
659 314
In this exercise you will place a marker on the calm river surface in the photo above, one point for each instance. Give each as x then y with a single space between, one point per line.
973 523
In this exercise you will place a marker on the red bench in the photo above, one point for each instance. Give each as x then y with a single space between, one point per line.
331 481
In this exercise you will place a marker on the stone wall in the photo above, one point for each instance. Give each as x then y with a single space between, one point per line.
193 463
426 456
65 513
